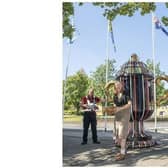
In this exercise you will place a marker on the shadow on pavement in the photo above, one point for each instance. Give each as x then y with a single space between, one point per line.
75 154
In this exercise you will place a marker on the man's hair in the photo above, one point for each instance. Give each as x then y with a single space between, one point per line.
90 89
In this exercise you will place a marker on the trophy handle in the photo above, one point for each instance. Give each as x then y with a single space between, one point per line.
107 87
110 110
165 96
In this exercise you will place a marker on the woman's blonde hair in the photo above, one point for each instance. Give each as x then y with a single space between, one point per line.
115 88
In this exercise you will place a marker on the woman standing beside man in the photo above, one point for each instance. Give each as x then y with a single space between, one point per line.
122 117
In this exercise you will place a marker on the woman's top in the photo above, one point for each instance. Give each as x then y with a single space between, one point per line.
122 115
121 100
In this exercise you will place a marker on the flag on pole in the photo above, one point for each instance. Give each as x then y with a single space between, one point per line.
158 25
112 36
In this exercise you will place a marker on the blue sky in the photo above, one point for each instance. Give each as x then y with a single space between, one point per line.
131 34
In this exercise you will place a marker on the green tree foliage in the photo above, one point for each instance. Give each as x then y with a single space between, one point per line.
98 77
68 11
111 11
160 89
76 87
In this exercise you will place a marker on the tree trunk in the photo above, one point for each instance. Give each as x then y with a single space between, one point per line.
77 110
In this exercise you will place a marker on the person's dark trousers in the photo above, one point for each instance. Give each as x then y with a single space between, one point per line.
89 117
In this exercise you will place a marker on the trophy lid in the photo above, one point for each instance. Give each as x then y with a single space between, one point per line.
134 66
134 57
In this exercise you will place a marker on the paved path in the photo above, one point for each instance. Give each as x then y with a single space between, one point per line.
103 154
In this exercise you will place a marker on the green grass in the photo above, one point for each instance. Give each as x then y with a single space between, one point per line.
78 118
72 118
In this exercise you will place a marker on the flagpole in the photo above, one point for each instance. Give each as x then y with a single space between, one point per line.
66 75
70 41
153 55
107 67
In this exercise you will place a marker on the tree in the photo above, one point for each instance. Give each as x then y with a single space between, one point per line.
98 77
76 88
68 11
111 11
160 89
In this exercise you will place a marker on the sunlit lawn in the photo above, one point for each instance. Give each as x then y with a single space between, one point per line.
78 118
72 118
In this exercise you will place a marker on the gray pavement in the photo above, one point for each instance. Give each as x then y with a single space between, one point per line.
75 154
